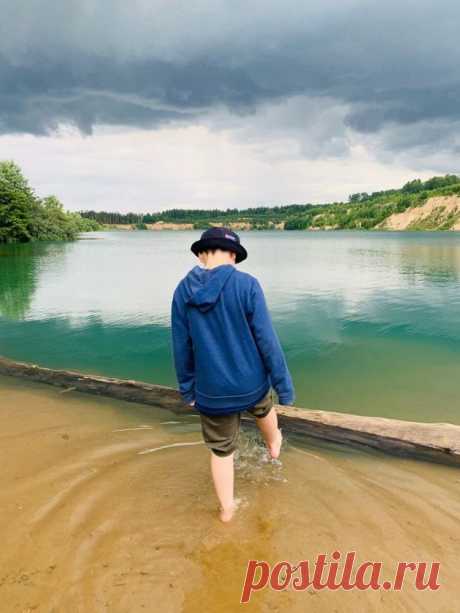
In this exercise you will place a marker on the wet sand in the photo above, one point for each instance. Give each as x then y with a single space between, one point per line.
108 506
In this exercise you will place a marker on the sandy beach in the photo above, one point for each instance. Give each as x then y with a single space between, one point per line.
108 506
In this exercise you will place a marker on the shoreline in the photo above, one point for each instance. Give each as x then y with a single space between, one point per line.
434 442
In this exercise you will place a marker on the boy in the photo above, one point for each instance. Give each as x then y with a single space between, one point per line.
227 354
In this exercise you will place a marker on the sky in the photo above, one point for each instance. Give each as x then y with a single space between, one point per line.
153 104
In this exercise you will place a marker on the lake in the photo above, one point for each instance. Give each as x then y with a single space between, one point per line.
370 322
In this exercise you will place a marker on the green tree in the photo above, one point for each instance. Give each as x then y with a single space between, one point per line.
17 203
24 217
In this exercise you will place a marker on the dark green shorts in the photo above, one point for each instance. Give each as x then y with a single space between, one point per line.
220 432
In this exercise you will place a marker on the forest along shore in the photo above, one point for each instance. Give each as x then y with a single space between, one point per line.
419 205
437 213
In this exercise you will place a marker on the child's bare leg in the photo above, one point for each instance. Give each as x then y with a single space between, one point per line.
223 476
268 426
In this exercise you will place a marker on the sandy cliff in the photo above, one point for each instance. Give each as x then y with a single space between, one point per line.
163 225
439 212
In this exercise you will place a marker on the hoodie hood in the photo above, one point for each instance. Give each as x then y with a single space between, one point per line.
203 286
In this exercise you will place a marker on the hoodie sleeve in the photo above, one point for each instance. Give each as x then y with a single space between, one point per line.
269 345
182 349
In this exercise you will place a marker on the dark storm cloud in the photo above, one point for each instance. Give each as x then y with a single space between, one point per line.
145 63
407 106
36 97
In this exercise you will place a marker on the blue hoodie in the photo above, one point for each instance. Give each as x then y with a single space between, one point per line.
226 351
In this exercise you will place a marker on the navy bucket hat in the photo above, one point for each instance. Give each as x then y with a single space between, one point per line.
219 237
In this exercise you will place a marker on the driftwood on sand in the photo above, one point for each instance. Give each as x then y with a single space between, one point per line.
439 442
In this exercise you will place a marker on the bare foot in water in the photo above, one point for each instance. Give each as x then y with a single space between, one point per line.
226 515
275 448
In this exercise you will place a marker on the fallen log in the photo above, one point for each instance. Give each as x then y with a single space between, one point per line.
436 442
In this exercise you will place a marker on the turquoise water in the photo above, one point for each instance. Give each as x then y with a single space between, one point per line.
370 322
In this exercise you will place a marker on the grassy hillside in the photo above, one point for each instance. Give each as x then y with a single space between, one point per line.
369 211
361 211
